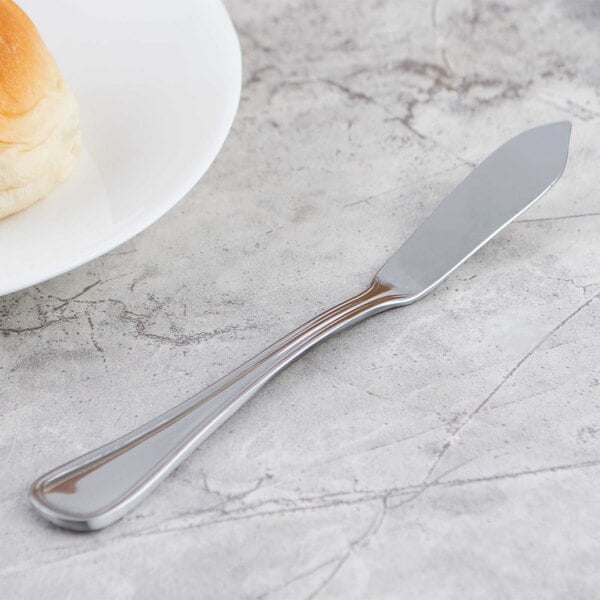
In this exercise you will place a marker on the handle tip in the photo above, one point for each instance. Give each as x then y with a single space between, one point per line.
56 515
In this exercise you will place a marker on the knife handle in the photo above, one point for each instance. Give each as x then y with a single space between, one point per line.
100 487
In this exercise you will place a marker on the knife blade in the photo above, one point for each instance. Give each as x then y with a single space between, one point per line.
502 187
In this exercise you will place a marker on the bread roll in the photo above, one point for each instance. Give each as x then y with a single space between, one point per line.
39 117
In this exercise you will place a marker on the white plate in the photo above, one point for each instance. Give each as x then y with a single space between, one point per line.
158 84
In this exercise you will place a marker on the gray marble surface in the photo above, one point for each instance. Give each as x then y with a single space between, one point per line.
450 449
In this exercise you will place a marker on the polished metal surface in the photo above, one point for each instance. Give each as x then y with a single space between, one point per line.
504 185
100 487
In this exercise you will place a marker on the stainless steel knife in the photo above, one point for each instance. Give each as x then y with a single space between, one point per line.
100 487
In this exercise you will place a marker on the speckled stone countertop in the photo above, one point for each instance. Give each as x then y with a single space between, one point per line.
450 449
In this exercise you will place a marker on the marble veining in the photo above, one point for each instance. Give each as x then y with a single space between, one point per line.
448 449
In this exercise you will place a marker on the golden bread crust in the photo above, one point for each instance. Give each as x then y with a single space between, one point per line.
27 70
